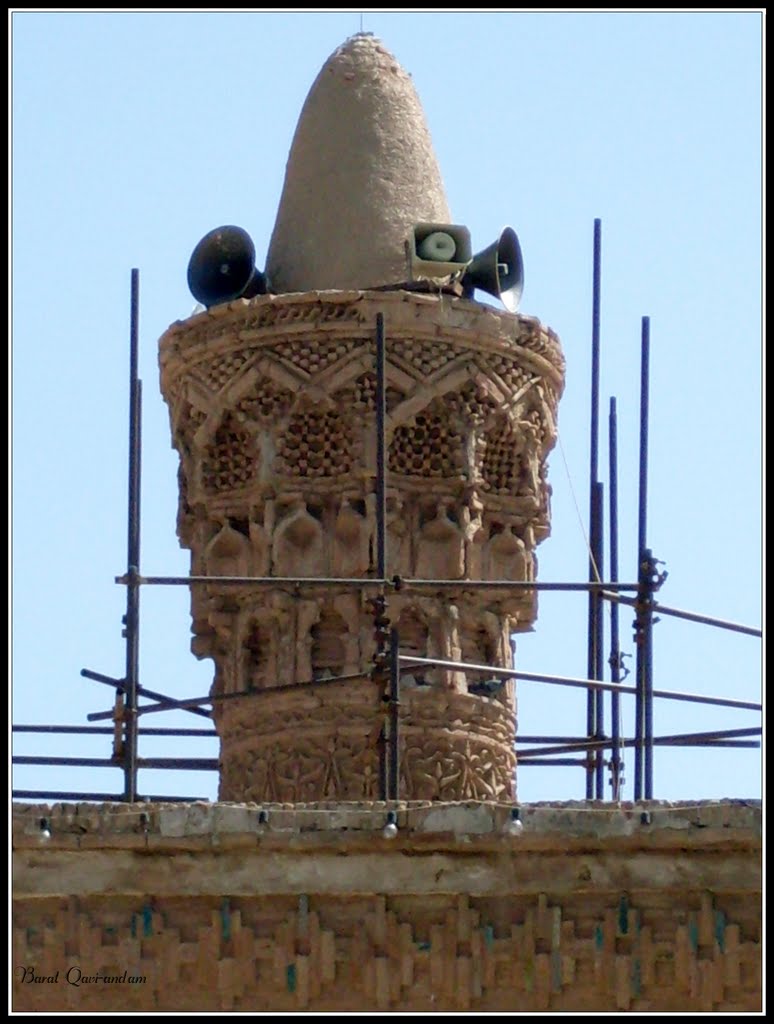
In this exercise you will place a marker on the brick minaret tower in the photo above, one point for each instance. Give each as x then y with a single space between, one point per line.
323 899
271 403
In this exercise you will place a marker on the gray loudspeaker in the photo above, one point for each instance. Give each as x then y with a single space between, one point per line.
438 250
222 267
498 270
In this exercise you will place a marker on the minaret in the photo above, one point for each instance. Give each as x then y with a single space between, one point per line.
271 403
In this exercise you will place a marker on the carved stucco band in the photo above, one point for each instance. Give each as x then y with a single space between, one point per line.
318 744
272 412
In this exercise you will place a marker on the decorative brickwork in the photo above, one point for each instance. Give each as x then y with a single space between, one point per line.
454 953
272 411
452 744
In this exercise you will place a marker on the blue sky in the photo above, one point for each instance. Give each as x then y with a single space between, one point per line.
133 134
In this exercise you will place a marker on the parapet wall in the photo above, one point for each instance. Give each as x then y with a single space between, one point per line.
650 907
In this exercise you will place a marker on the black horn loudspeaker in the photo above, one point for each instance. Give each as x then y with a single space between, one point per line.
499 270
222 267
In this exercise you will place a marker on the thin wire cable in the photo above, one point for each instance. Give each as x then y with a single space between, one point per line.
577 509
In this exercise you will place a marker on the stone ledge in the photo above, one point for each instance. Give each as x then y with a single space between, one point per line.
86 825
473 322
397 867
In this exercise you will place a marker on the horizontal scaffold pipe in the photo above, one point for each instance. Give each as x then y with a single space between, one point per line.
679 613
688 740
102 798
190 702
107 730
204 764
508 673
142 691
395 582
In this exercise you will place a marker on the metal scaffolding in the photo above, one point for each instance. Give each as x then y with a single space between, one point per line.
127 712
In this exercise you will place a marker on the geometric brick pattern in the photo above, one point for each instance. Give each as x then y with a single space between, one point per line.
501 463
428 447
316 443
687 951
230 460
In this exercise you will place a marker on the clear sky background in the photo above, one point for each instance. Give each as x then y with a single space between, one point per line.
133 134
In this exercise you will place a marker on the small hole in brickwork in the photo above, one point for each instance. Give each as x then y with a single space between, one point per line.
241 526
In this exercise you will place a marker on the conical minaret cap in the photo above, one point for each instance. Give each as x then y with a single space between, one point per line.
360 173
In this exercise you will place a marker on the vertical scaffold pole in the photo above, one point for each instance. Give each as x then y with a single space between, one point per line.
593 698
381 468
644 718
394 785
615 649
599 643
381 528
132 619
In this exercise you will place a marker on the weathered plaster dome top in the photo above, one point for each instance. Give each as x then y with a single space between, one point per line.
360 173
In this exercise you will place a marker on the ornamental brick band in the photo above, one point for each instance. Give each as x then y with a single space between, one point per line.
317 743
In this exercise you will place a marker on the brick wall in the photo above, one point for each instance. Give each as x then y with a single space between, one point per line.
591 908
